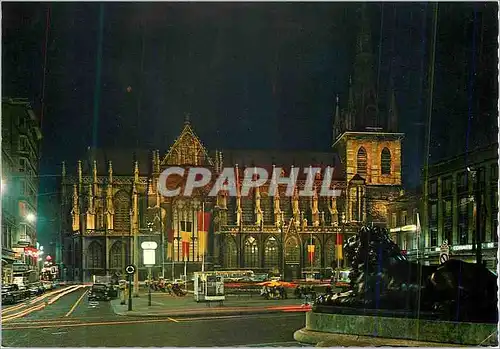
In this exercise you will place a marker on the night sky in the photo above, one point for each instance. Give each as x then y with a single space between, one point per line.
251 75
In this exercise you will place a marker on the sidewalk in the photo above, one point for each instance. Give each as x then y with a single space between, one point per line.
325 339
164 305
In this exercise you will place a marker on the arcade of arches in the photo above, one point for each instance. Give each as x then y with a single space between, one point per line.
263 252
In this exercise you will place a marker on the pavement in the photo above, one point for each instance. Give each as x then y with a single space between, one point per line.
165 305
71 321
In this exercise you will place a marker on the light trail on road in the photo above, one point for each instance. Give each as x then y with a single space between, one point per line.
35 304
76 304
78 323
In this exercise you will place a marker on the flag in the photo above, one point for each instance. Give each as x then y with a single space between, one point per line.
170 235
203 227
310 252
339 245
186 239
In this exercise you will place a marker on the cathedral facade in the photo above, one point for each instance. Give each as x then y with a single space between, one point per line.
111 204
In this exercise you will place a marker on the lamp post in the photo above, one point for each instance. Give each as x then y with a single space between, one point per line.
149 248
477 213
282 232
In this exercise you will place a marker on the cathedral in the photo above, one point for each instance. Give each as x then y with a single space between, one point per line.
111 204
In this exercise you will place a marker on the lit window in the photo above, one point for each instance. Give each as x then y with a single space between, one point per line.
362 162
385 161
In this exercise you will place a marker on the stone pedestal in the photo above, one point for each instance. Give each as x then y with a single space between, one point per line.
390 329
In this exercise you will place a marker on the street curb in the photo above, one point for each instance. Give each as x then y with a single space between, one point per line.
326 339
200 313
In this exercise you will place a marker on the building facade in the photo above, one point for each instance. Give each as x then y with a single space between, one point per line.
21 138
109 212
402 221
462 201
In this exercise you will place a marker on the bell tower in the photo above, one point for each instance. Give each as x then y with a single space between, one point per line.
367 142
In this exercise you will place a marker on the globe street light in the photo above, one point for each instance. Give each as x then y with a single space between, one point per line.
30 217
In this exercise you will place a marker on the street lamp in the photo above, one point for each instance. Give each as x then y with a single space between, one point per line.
30 217
477 199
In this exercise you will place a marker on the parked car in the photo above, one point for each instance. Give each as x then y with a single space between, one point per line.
12 294
113 291
47 285
36 289
99 292
25 291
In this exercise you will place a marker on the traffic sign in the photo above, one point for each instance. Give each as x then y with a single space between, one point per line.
130 269
444 255
149 245
443 258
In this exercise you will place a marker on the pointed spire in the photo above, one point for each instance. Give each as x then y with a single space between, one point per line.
80 172
364 39
153 161
217 165
364 98
158 163
393 114
350 107
94 171
110 172
75 199
63 170
337 128
136 172
91 199
187 119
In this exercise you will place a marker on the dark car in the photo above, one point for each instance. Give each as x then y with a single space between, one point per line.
99 292
112 291
36 289
11 294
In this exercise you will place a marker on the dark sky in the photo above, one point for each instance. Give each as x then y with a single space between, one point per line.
254 75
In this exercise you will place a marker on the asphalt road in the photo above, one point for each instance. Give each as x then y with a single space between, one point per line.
69 323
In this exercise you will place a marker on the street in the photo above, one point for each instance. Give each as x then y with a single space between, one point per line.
72 322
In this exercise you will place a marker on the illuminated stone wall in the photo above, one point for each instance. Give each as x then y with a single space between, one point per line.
374 146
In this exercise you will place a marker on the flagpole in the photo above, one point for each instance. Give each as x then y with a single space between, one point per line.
203 234
185 273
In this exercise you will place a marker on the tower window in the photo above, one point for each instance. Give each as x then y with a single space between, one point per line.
362 160
385 161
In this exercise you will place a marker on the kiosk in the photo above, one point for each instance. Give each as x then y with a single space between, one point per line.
208 287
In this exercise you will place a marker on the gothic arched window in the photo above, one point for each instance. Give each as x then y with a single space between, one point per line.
230 253
271 253
292 250
361 162
121 204
330 253
116 254
385 161
251 253
94 260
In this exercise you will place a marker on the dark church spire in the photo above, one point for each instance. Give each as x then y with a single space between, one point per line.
337 122
363 86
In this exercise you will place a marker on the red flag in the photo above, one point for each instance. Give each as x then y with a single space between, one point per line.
340 240
203 227
310 252
170 235
339 245
186 239
185 249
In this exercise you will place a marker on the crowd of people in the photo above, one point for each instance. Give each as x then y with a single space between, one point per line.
162 285
275 292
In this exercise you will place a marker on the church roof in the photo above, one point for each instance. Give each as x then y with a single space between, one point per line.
122 161
283 158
